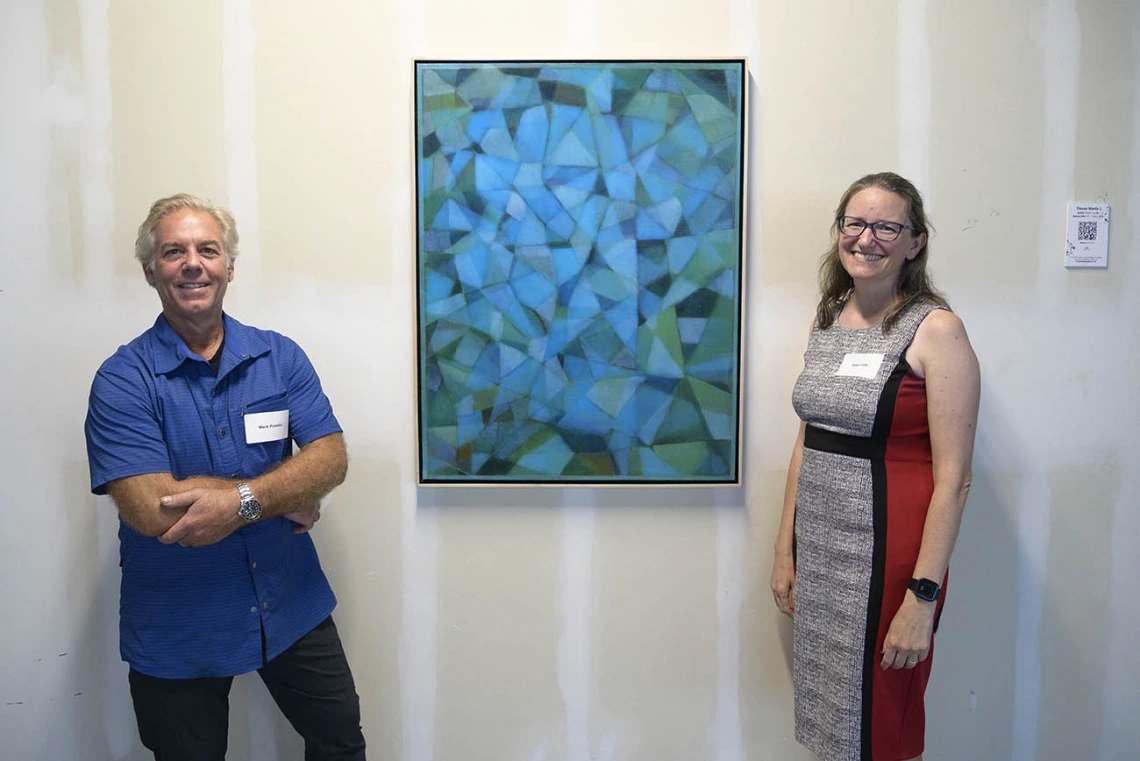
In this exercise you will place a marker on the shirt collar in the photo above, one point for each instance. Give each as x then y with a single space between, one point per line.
170 351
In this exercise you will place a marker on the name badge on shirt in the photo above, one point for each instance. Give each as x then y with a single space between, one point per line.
266 426
860 365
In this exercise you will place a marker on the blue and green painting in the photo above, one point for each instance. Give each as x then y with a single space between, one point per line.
579 251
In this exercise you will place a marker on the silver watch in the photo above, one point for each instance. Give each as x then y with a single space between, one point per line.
250 509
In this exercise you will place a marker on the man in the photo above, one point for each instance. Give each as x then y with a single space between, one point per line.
190 429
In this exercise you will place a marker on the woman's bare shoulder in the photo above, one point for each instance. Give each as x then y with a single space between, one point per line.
941 337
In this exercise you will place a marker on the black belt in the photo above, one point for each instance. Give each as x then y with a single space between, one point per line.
865 447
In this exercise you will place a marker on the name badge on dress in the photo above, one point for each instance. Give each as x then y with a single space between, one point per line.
860 365
266 426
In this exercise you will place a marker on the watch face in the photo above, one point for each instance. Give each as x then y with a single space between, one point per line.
250 509
926 589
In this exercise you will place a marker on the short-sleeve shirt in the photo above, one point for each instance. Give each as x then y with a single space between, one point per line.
156 407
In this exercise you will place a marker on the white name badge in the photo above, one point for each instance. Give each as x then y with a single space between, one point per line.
266 426
860 365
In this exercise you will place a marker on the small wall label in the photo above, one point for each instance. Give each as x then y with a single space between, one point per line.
1086 235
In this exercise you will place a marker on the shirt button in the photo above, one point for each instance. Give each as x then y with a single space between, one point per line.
222 432
253 564
253 609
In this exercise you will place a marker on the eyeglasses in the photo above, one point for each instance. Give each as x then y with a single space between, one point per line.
885 231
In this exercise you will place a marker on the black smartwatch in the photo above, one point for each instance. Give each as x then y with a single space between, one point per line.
925 589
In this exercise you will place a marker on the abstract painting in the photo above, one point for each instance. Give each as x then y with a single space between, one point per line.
579 271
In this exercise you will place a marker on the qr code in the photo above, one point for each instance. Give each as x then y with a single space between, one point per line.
1086 232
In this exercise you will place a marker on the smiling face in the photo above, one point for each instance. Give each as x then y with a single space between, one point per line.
868 259
190 270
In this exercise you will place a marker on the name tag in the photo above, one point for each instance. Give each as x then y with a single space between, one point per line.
266 426
860 365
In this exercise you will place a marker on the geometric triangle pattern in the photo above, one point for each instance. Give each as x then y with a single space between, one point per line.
579 256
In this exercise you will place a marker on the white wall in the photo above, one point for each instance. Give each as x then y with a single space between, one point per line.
581 624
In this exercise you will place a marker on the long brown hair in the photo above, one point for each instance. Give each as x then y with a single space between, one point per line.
914 283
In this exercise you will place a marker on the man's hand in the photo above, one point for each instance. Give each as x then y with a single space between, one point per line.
211 515
303 520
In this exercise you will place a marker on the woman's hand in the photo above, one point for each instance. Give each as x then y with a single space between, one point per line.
908 640
784 583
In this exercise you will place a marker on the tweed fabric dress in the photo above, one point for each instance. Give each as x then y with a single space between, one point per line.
864 486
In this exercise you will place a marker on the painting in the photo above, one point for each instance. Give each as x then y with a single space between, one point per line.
579 262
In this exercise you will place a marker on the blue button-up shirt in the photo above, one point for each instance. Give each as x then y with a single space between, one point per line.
156 407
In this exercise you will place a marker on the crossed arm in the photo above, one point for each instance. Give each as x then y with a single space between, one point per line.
201 510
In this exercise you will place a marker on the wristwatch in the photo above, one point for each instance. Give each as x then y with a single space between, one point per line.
250 509
925 589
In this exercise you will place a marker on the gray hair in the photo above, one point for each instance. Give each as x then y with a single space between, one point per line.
146 244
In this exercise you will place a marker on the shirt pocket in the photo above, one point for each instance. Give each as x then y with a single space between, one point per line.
272 402
260 456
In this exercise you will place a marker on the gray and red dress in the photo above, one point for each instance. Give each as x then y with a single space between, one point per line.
864 487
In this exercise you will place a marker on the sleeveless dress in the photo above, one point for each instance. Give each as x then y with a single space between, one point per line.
864 487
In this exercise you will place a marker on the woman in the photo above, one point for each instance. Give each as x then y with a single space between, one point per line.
877 482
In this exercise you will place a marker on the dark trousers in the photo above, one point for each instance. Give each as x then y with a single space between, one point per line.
188 719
